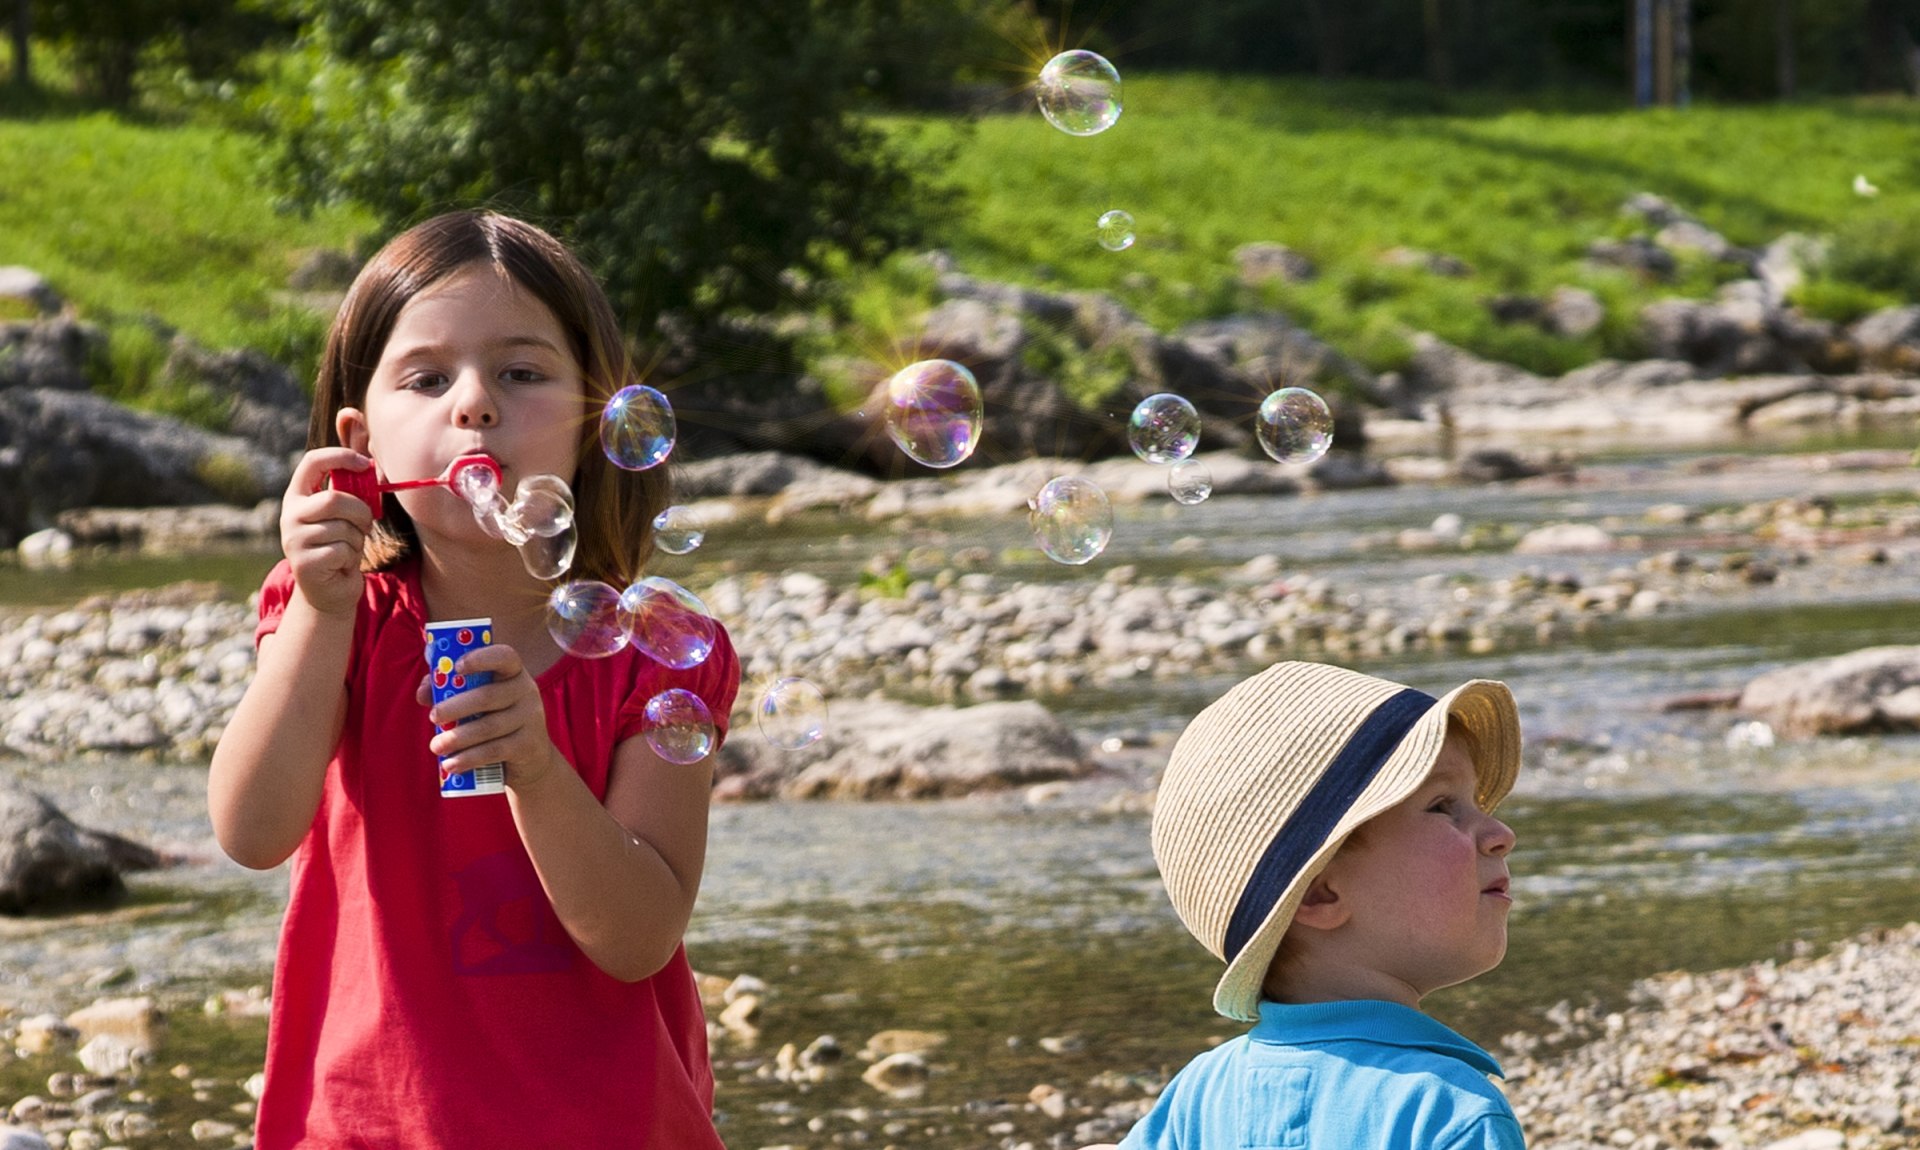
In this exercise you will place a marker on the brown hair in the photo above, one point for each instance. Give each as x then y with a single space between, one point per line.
613 509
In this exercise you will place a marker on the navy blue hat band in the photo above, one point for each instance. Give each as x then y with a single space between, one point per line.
1308 827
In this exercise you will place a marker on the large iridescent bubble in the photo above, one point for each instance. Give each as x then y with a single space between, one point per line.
934 411
1071 519
792 713
584 619
667 622
1079 93
1294 425
1164 428
637 428
678 726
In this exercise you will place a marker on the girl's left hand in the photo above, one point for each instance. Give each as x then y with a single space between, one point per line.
508 722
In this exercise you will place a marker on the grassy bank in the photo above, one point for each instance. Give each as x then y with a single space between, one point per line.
1343 174
173 219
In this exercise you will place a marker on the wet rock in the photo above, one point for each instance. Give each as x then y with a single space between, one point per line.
1875 689
875 748
890 1042
136 1021
22 1138
1560 538
47 863
897 1073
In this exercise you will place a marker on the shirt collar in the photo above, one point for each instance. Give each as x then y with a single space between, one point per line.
1366 1020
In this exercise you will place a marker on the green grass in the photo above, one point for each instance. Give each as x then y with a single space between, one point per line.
168 221
1342 174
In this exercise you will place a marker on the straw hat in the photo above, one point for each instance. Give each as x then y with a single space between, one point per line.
1267 782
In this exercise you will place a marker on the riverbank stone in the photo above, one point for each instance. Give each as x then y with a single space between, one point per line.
48 863
1873 689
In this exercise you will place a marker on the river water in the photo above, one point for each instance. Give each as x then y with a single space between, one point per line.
1647 840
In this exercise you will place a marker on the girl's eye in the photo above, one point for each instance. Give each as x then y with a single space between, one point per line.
425 381
524 375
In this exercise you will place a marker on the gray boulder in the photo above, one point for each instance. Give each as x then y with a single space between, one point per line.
61 450
1262 262
874 749
1874 689
26 284
1636 254
48 863
56 354
1890 339
1742 333
1574 312
269 407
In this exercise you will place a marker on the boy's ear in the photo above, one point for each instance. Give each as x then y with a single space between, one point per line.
351 425
1322 908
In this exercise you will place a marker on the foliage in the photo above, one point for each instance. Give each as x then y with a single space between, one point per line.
1878 251
1838 45
697 153
112 42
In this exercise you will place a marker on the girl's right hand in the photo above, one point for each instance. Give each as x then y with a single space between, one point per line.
323 531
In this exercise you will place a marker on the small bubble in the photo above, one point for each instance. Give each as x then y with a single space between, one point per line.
1294 425
637 428
678 726
677 531
1189 482
792 713
584 619
1071 519
1164 428
1079 93
1115 229
934 411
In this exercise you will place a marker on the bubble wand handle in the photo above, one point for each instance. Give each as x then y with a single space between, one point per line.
367 485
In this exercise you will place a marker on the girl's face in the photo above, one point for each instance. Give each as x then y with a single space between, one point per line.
474 364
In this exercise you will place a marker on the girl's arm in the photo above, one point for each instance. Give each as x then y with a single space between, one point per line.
265 782
622 877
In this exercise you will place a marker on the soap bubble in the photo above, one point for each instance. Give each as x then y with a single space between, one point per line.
1164 428
667 622
1079 93
934 411
1115 229
476 483
1071 519
677 531
637 429
1294 425
1189 482
584 619
792 713
678 726
549 556
488 507
543 505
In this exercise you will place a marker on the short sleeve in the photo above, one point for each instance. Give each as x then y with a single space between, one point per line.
715 679
1493 1132
274 594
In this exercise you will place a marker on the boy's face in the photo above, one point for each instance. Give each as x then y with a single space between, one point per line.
1425 884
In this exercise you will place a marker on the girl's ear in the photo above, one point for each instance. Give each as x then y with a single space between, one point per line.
351 425
1322 908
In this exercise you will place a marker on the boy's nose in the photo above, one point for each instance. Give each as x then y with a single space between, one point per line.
1499 838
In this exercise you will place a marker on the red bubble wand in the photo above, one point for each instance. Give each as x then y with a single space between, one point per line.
367 485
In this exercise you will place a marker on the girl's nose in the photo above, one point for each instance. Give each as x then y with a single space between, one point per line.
473 405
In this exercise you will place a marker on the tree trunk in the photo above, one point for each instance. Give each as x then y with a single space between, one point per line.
1785 65
1640 51
1329 37
1439 60
1883 69
22 43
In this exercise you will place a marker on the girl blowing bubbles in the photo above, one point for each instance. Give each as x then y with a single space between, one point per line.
487 971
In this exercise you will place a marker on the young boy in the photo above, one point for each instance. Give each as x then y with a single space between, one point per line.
1327 834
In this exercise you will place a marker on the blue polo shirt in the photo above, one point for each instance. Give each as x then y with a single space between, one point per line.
1360 1075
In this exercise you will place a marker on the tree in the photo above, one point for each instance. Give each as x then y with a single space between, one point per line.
111 40
23 43
698 152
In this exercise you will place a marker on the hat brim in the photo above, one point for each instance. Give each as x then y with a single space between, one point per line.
1487 710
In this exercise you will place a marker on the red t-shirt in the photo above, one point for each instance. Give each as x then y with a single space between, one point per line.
425 993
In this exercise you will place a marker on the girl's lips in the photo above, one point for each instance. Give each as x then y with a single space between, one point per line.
1498 888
